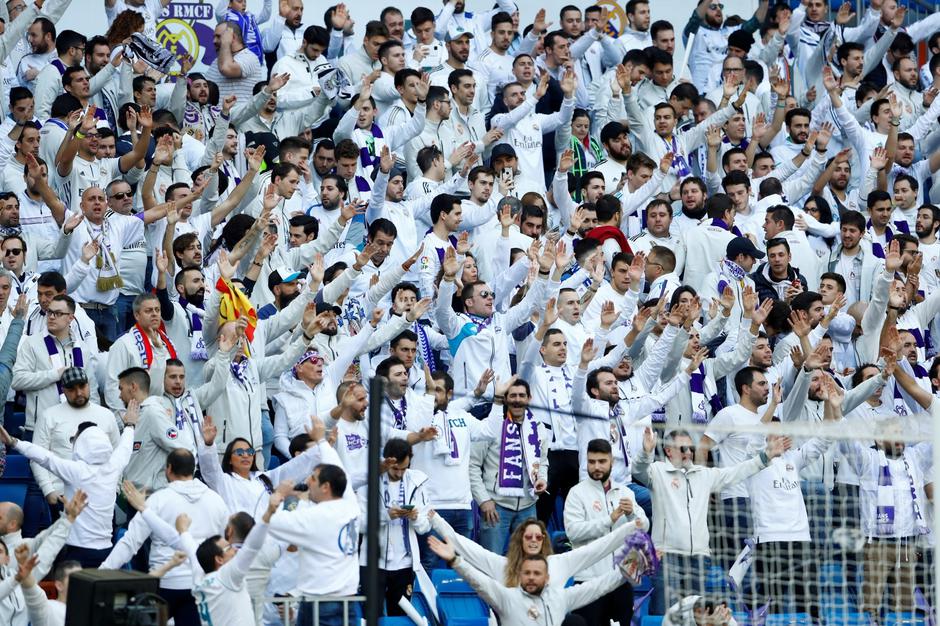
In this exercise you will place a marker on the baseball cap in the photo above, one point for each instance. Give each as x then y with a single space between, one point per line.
323 307
455 31
612 130
73 376
743 245
282 275
501 150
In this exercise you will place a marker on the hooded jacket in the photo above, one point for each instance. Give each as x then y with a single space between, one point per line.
96 469
206 509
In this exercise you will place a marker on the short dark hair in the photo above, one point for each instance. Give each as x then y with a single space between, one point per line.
421 15
443 203
136 376
745 376
735 177
453 79
332 475
374 28
659 26
19 93
797 112
778 241
317 35
207 552
599 446
837 278
803 301
877 195
404 286
310 224
398 449
69 39
718 205
854 218
383 368
402 76
426 157
405 335
591 382
782 213
181 462
52 279
500 18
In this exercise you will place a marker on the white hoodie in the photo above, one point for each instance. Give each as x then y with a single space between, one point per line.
96 469
207 511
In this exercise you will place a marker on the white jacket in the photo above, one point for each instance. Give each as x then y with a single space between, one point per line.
587 517
54 431
394 554
192 497
96 469
515 607
682 497
37 374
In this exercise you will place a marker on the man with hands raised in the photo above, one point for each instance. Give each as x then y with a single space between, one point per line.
95 469
600 413
681 492
523 128
480 336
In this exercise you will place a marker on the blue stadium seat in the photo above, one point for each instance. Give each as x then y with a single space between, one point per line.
17 469
395 621
903 619
789 619
13 492
742 618
651 620
457 602
14 422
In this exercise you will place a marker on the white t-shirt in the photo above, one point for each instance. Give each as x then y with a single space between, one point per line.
242 86
733 447
85 174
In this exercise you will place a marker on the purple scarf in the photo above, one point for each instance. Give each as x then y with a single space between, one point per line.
53 350
721 224
513 460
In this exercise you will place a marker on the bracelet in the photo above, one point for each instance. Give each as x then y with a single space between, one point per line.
258 264
545 273
79 134
806 155
782 105
308 338
895 124
820 150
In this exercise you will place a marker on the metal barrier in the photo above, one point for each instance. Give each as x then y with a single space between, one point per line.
289 607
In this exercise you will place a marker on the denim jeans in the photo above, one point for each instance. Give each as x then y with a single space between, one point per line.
267 436
125 312
643 498
460 520
494 538
331 614
106 322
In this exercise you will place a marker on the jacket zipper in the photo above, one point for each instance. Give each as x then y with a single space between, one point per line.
688 510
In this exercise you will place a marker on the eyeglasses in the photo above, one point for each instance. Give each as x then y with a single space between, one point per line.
90 135
715 6
51 314
121 195
243 452
13 252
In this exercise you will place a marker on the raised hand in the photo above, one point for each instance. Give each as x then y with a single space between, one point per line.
799 323
450 264
830 82
588 352
410 261
566 161
255 157
542 87
569 82
144 118
649 440
665 162
90 249
277 81
713 137
420 308
609 314
698 357
759 316
486 378
550 316
562 256
463 243
134 496
75 506
386 160
209 430
623 73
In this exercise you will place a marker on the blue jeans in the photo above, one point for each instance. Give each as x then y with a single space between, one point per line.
331 614
643 498
460 520
267 436
106 322
125 312
494 538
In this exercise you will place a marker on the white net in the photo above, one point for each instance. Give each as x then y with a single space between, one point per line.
837 530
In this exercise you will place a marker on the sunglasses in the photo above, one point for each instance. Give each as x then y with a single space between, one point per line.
121 195
714 6
243 452
537 537
487 294
13 252
685 449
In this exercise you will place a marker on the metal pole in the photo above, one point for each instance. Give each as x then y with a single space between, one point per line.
371 586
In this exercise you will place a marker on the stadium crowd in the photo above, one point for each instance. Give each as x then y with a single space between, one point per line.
590 272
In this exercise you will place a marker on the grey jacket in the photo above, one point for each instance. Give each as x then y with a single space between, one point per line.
515 607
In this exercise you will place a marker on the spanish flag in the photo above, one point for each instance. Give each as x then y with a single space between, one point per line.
234 305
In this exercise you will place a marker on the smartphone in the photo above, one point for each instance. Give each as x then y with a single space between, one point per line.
407 507
507 173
